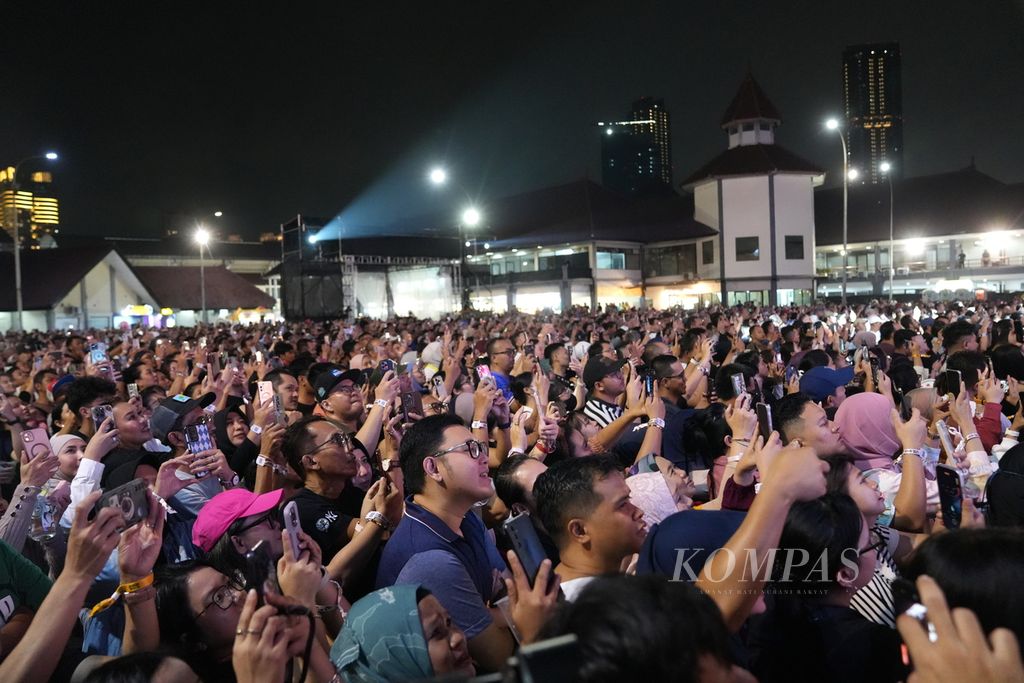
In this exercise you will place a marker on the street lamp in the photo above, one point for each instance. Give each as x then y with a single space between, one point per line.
471 217
51 156
202 239
885 167
438 176
833 124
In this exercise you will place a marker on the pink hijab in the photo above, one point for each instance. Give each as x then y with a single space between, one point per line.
866 430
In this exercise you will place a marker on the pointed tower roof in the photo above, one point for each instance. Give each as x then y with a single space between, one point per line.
750 104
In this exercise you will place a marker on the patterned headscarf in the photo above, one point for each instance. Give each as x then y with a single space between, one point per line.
382 639
649 492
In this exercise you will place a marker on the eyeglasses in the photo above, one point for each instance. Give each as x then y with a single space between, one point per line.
223 597
348 389
338 439
474 448
878 544
270 517
506 352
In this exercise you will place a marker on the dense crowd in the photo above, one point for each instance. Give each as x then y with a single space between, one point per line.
818 493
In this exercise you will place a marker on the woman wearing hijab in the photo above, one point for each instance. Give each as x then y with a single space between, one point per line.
239 443
889 451
400 633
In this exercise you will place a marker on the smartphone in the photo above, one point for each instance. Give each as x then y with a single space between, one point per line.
130 499
36 442
133 390
649 384
947 443
97 353
259 356
523 539
387 365
953 380
99 414
951 495
198 439
439 388
412 401
528 349
259 571
293 527
764 420
484 373
739 385
791 372
265 390
214 360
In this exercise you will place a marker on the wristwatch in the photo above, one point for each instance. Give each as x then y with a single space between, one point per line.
230 483
379 519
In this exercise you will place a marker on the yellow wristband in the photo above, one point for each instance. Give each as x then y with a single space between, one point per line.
144 582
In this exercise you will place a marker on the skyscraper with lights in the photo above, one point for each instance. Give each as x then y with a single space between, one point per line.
636 154
873 107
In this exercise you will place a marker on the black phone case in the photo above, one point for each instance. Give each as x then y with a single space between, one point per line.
950 496
526 544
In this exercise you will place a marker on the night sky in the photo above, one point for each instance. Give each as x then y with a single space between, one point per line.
340 108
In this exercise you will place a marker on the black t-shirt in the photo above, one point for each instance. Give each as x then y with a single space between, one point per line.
306 409
797 642
327 520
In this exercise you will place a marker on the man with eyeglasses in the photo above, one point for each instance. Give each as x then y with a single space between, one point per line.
339 396
501 356
333 511
441 543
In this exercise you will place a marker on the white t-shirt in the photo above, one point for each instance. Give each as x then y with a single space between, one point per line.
572 587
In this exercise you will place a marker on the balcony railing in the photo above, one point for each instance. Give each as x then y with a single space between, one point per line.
921 268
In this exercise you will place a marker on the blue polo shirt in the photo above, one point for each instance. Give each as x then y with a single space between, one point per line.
459 570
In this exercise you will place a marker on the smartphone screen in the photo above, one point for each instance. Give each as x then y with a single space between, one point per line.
259 571
739 386
649 384
764 420
950 495
387 365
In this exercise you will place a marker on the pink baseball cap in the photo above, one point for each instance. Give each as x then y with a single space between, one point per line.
224 509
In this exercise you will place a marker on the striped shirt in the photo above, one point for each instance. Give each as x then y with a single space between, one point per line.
874 601
601 412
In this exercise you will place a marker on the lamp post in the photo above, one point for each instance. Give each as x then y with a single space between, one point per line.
202 239
50 156
885 167
833 124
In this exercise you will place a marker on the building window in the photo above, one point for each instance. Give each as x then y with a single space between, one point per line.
748 249
733 130
707 252
764 126
795 247
748 127
607 260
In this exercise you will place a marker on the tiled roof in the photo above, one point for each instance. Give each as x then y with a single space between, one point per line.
746 160
750 103
47 275
178 287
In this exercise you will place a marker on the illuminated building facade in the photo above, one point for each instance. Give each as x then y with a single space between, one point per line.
636 154
32 206
873 106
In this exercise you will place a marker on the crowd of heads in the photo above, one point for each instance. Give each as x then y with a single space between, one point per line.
807 493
